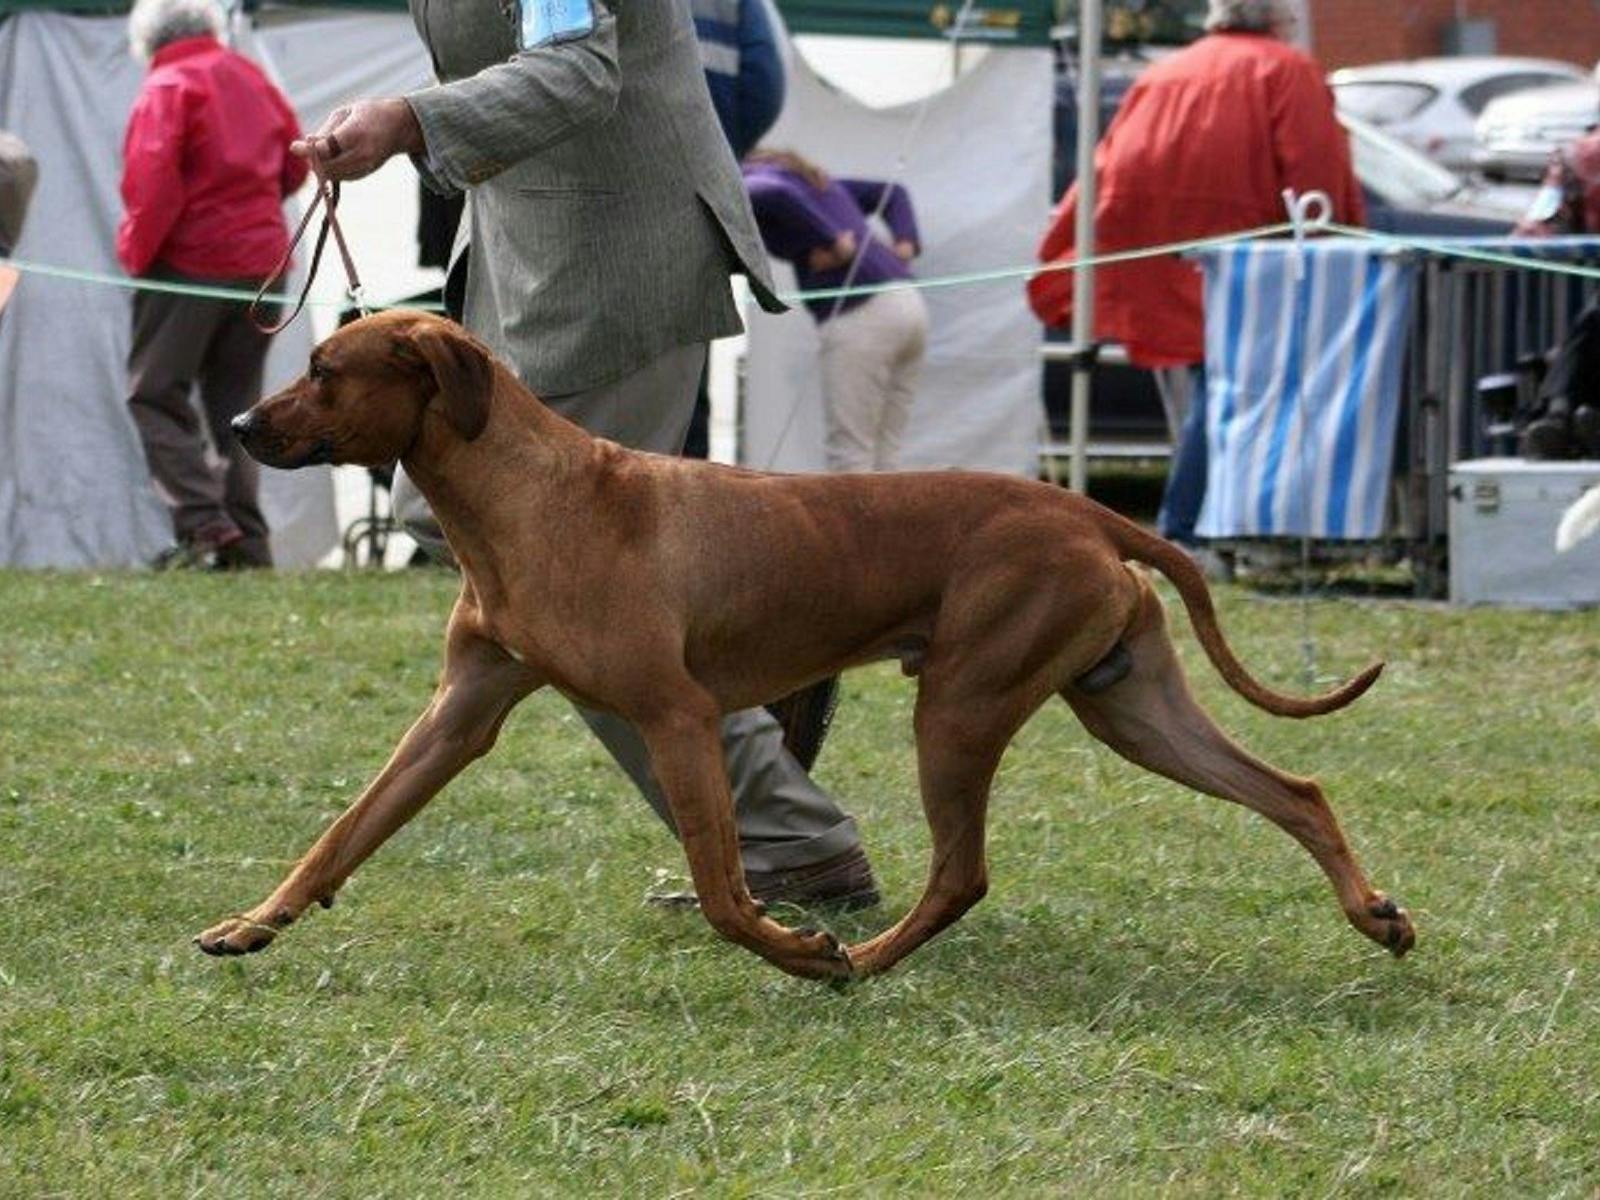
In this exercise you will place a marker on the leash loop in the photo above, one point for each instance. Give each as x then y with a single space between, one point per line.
327 198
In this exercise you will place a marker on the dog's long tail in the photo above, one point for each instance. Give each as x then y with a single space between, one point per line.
1138 544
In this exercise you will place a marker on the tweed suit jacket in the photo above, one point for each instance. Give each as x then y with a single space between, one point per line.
606 210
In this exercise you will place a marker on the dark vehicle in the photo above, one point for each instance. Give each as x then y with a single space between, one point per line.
1407 194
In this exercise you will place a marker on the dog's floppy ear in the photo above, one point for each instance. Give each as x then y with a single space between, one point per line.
462 373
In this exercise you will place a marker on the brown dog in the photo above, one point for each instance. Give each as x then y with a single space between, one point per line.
657 588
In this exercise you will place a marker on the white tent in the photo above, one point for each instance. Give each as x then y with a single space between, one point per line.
975 157
74 490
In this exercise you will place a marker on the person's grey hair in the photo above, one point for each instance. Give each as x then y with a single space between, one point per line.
154 23
1251 16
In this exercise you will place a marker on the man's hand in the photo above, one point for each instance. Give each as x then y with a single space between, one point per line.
906 249
359 138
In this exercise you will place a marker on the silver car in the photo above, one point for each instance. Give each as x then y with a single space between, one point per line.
1431 104
1518 134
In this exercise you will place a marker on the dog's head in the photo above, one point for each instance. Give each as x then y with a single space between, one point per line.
369 389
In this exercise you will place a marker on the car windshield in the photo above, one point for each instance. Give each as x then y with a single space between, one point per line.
1383 102
1399 175
1477 97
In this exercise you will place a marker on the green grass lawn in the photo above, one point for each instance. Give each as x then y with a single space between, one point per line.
1158 996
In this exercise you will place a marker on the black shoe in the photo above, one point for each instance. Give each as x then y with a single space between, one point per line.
1548 438
237 556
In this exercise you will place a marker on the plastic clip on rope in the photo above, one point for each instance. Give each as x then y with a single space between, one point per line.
1310 213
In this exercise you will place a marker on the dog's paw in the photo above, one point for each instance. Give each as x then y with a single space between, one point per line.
1386 923
826 956
241 935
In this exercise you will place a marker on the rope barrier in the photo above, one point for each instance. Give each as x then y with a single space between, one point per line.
199 290
967 279
1110 259
1446 250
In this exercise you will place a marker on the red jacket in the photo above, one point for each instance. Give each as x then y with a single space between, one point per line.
1204 144
206 166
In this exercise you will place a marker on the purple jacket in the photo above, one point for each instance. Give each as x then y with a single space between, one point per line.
795 219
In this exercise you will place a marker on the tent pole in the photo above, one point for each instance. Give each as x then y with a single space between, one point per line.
1089 37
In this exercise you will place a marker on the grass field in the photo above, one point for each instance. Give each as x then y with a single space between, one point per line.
1158 997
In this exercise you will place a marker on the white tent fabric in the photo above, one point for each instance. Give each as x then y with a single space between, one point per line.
978 170
74 490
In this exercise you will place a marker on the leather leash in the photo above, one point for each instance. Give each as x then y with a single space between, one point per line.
327 198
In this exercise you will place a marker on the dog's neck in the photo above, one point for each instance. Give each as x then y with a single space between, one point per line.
523 439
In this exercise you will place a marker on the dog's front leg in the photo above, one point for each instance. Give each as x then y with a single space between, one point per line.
686 752
479 686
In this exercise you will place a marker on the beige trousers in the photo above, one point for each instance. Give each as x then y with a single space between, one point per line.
871 359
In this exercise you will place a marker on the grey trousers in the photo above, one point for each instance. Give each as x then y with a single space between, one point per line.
785 820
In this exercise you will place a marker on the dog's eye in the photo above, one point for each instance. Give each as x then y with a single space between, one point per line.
316 372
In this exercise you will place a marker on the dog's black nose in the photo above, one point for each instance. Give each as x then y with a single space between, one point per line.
245 426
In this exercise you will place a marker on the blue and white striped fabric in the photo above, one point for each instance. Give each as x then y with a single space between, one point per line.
1303 388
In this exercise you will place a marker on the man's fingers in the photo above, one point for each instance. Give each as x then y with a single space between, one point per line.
324 143
323 149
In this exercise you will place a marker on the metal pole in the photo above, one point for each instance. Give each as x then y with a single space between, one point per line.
1089 30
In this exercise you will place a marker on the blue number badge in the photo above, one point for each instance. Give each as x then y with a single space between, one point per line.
546 22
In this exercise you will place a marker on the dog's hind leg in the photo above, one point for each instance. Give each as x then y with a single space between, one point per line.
1151 719
960 739
684 737
479 686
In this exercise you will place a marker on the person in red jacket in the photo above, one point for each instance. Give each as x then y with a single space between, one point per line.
1205 143
206 167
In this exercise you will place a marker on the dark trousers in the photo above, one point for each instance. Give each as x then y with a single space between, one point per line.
1186 476
1574 376
180 342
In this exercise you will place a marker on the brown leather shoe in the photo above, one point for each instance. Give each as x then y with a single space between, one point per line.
843 882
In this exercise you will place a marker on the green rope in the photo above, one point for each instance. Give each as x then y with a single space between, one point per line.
968 279
1099 260
200 290
1445 250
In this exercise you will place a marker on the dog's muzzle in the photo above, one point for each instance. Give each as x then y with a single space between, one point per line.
265 446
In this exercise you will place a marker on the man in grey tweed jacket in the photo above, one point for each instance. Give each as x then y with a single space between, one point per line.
605 215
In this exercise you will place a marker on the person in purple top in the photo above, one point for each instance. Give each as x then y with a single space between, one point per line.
873 345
